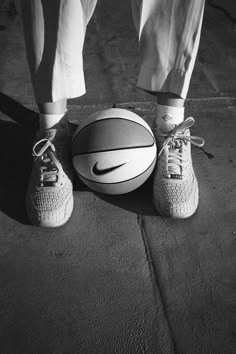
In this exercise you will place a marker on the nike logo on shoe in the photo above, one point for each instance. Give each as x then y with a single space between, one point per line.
99 172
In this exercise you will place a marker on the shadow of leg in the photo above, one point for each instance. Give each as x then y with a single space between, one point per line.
20 114
16 138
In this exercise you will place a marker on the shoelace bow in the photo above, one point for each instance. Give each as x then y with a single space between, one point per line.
175 140
49 167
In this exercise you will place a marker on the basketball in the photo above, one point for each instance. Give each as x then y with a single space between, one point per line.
113 151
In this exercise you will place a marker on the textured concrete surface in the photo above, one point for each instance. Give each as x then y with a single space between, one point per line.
118 278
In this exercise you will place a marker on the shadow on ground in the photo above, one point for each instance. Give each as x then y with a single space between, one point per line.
138 201
16 138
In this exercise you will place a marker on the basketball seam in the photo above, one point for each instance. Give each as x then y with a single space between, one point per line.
126 180
124 148
100 120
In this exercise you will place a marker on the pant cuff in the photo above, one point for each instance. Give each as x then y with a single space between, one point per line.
176 81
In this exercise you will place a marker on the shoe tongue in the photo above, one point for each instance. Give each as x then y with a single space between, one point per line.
50 173
47 134
49 181
53 135
167 128
174 169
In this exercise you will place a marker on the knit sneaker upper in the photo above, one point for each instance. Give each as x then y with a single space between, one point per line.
50 194
175 184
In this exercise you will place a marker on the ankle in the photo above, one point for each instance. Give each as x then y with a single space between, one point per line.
49 121
56 107
168 117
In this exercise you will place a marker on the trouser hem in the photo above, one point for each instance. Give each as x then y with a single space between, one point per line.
72 89
176 82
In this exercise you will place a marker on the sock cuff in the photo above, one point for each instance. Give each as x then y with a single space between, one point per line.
47 121
44 115
175 114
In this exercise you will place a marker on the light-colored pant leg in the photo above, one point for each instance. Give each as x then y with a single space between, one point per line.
169 34
54 32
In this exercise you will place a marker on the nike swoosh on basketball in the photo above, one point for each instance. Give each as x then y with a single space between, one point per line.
97 171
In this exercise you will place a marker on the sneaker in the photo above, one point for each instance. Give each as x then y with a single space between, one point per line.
49 198
175 187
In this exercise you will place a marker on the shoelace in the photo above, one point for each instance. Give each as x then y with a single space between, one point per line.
175 140
49 167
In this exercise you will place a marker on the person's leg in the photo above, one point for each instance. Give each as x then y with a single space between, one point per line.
54 34
169 33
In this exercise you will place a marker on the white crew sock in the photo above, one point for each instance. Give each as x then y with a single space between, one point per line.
48 121
168 117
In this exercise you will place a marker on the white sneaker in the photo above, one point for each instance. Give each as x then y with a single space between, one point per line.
175 187
49 198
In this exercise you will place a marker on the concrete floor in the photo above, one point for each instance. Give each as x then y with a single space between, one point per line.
117 278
